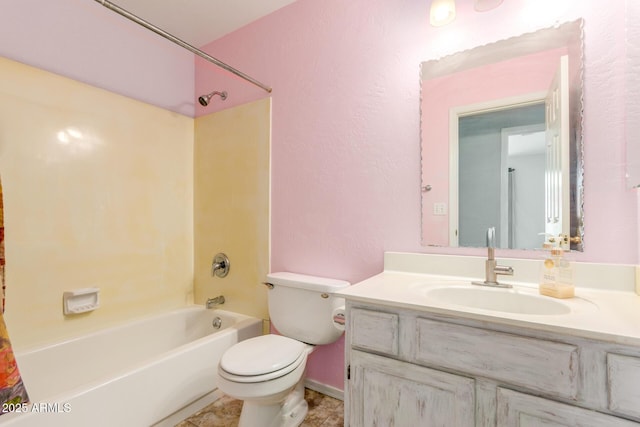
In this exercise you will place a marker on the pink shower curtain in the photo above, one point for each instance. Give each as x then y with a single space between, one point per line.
12 391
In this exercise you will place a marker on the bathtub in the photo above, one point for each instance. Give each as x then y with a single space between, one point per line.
154 371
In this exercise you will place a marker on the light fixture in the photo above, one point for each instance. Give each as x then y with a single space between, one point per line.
484 5
442 12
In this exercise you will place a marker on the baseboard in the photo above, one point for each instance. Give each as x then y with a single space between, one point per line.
324 389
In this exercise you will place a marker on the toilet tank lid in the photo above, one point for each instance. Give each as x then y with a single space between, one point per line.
302 281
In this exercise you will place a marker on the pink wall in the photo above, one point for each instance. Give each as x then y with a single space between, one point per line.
346 142
346 153
83 40
506 79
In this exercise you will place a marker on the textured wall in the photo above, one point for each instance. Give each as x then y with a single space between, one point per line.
231 205
633 91
94 196
83 40
346 143
633 104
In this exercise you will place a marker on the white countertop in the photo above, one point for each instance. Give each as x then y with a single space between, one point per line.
612 316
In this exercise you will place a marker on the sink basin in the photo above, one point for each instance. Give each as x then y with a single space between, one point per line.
504 300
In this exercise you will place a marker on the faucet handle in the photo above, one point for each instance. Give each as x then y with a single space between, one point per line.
491 237
220 265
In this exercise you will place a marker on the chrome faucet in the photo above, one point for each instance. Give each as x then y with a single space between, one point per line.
220 265
213 302
492 269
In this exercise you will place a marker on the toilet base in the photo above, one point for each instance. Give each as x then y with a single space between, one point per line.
287 413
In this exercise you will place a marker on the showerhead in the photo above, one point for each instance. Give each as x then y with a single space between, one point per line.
204 99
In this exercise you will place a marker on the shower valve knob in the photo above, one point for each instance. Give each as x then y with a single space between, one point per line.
220 265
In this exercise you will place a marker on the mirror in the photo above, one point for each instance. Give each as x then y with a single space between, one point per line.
501 142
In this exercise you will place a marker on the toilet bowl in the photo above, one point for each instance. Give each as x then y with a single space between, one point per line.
267 372
267 382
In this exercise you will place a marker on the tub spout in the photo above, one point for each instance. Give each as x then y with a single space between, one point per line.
214 302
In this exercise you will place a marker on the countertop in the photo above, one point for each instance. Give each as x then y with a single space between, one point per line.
611 316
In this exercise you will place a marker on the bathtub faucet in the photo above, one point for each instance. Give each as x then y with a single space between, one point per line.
213 302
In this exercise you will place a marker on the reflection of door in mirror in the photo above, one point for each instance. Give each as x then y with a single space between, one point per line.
500 179
504 175
557 211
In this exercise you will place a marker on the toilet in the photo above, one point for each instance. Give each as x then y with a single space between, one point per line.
267 372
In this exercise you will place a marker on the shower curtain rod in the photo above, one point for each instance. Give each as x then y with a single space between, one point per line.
181 43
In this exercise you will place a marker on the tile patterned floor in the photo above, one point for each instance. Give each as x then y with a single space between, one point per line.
324 411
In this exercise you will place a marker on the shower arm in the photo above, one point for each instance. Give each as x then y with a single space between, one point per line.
181 43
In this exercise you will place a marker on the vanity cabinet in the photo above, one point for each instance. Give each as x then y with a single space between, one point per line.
389 392
408 368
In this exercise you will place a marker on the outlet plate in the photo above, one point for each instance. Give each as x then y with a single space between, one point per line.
440 208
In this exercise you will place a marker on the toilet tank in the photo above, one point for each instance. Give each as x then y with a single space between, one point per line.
302 307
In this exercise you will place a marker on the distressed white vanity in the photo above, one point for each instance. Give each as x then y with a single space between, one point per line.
426 348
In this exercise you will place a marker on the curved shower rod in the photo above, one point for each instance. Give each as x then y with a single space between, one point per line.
181 43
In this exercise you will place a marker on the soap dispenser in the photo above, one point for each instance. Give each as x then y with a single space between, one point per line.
556 276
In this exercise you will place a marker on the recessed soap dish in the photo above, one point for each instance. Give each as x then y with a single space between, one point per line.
80 300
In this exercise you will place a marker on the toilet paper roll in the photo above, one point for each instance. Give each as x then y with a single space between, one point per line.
338 316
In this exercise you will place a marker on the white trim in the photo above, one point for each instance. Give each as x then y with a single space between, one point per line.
505 133
325 389
500 104
453 177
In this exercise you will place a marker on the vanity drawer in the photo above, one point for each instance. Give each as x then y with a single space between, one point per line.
540 365
374 331
623 384
519 409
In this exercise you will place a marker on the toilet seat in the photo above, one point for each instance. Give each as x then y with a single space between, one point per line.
262 358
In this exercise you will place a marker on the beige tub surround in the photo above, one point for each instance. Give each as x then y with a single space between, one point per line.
97 193
102 191
231 209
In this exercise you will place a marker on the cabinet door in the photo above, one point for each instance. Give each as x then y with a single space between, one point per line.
623 380
522 410
386 392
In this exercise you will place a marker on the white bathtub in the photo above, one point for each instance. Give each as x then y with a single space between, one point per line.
152 371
